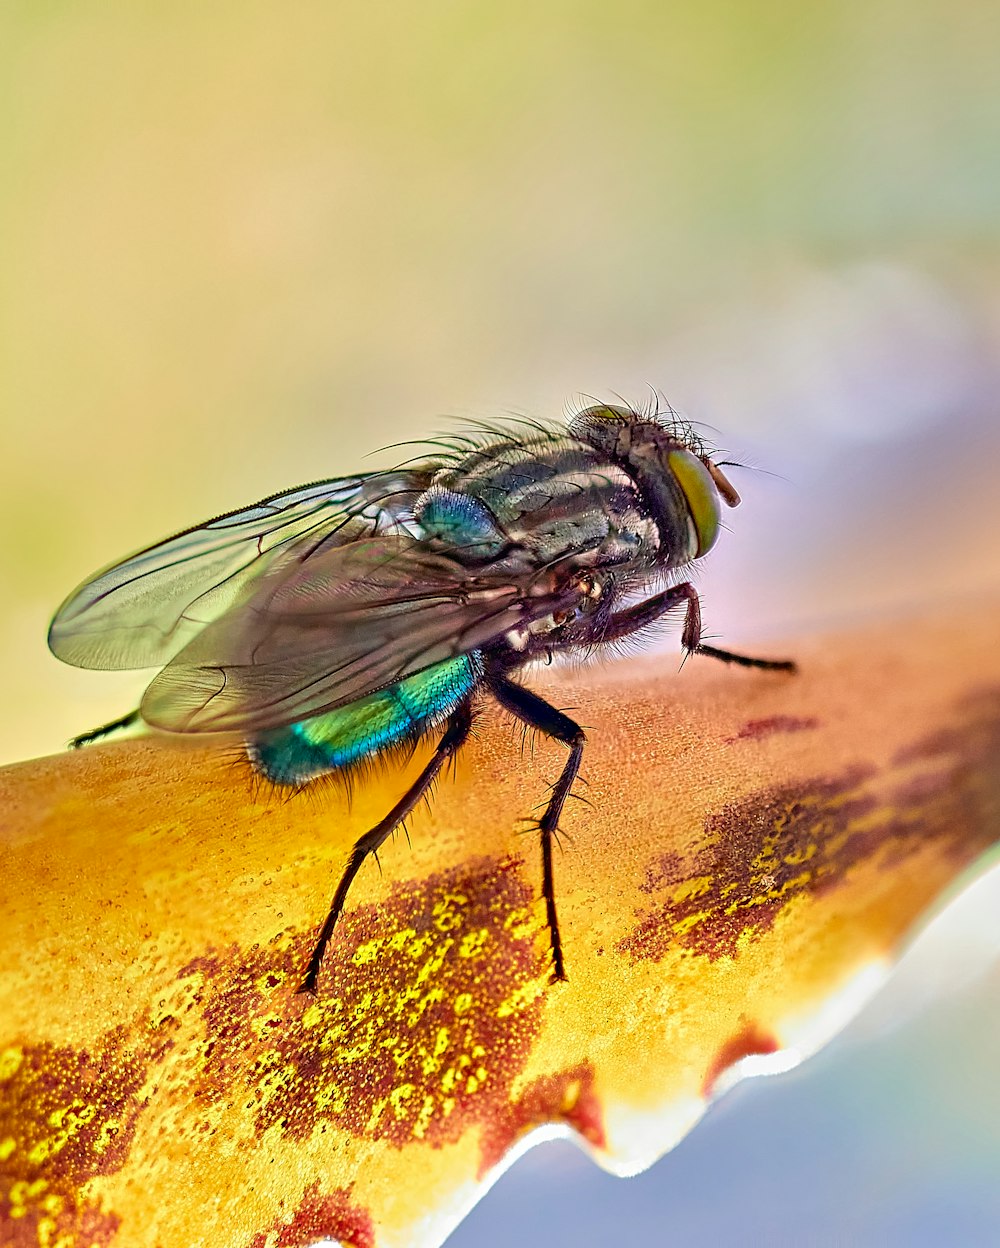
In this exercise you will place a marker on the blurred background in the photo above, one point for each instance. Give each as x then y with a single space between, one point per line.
242 246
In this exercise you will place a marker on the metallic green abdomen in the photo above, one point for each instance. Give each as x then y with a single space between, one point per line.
352 733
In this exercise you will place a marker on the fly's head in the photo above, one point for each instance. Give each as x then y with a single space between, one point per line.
682 487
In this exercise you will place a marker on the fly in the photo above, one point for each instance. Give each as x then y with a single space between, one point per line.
329 624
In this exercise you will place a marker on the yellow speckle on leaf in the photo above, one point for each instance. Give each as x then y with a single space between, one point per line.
47 1148
109 1130
72 1116
366 952
447 914
571 1095
434 963
24 1194
399 940
697 886
424 1117
271 979
10 1061
521 998
312 1017
399 1098
691 920
522 922
419 945
473 943
331 1098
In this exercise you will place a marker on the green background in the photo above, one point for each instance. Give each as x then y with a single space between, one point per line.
243 245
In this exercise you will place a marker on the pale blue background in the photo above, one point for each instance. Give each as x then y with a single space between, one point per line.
892 1140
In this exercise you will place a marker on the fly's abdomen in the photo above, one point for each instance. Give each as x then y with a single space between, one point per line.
362 729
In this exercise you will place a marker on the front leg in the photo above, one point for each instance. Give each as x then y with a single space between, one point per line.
641 614
692 643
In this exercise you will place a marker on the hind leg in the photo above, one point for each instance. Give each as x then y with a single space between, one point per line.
105 730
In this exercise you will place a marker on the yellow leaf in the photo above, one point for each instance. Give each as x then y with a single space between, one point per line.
757 851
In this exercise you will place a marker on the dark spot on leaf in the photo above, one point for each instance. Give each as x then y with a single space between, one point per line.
66 1116
754 855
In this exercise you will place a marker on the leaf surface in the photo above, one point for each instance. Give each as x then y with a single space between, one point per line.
757 851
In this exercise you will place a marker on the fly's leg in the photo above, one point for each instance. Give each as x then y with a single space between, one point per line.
537 713
454 738
105 730
692 643
631 619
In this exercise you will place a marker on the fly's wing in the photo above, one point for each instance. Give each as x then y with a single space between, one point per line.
349 621
142 611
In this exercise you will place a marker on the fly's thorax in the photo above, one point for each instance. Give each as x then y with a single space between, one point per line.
461 523
590 589
550 497
678 482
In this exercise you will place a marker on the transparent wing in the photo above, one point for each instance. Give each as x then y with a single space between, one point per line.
142 611
350 620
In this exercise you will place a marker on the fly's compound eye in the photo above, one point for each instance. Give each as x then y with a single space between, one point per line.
702 496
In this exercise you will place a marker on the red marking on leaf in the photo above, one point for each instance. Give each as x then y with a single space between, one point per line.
424 1018
754 729
748 1042
756 855
62 1221
66 1116
329 1216
663 871
567 1097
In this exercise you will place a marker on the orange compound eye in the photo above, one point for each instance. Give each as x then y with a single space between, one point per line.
702 498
